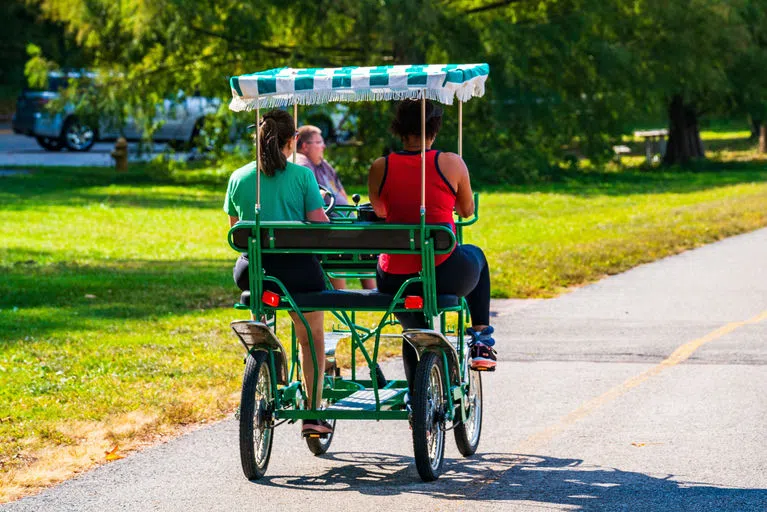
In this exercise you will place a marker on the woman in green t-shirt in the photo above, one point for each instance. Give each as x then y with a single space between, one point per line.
288 192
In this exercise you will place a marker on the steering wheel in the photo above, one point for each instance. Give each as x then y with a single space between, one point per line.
331 202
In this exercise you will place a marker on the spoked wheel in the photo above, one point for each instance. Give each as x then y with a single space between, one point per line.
256 409
467 432
429 417
320 445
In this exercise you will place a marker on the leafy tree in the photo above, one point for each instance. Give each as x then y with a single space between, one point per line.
23 25
749 74
567 75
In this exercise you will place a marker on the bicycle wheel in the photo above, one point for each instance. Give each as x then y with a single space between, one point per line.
428 417
467 432
320 445
256 408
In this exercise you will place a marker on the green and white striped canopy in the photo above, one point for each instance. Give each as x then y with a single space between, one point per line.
287 86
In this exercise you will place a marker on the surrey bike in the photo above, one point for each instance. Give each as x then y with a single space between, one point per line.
445 390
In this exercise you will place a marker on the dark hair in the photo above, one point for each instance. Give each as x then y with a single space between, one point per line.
407 120
275 130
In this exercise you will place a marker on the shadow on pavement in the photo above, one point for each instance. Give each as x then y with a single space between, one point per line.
510 479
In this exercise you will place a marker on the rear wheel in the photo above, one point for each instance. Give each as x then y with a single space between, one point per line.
78 136
467 433
49 143
256 416
429 417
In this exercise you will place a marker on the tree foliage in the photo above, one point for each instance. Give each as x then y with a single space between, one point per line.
567 76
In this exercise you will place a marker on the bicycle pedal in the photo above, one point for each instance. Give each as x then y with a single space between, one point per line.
482 369
314 435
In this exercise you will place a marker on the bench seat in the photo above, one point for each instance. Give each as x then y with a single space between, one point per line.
351 299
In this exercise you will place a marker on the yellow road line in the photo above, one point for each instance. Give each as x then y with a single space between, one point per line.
679 355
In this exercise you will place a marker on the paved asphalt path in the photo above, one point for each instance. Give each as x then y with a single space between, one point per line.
643 392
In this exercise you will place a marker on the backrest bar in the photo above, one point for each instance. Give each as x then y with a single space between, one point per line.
323 238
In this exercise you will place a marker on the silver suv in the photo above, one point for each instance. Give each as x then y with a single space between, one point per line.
182 119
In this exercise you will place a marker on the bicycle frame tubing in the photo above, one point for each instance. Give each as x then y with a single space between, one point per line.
424 247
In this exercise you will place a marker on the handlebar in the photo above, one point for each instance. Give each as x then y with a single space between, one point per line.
351 213
474 218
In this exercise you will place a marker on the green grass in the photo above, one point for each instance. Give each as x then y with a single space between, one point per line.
542 240
116 291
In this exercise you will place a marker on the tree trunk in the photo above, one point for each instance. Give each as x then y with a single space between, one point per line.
684 144
763 138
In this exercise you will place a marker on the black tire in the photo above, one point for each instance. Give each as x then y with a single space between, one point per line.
467 434
429 416
77 136
256 408
49 143
319 446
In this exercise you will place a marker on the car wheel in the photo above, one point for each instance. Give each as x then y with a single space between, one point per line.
78 136
49 143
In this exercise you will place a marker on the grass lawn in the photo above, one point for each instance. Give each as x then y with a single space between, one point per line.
116 291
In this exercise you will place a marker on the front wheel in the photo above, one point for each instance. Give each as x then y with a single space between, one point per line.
256 416
320 445
429 417
467 432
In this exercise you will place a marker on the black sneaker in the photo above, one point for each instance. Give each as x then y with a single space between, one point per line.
481 352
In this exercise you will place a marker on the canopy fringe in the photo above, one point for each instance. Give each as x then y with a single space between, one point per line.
463 92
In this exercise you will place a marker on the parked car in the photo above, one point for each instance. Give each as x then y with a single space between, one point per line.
182 118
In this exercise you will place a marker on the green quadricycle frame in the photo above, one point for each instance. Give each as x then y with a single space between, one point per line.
444 388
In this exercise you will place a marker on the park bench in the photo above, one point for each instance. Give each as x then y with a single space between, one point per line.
654 142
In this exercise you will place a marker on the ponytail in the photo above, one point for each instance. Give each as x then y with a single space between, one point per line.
275 131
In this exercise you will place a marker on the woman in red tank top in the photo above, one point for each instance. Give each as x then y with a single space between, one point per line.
394 186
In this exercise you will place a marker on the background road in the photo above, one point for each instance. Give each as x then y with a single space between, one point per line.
23 150
645 391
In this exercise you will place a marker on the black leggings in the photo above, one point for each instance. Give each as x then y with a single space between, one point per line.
300 273
464 273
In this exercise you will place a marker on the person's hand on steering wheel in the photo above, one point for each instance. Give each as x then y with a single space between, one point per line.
329 197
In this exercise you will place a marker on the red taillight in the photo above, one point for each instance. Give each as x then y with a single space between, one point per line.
270 299
413 302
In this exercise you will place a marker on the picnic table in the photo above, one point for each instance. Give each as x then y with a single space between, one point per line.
654 142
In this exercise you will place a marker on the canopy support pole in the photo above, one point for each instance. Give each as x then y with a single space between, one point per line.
295 128
423 152
460 128
258 160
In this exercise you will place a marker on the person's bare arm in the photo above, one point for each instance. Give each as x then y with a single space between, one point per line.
375 177
317 215
457 173
233 221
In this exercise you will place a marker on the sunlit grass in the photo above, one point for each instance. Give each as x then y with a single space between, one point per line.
728 135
